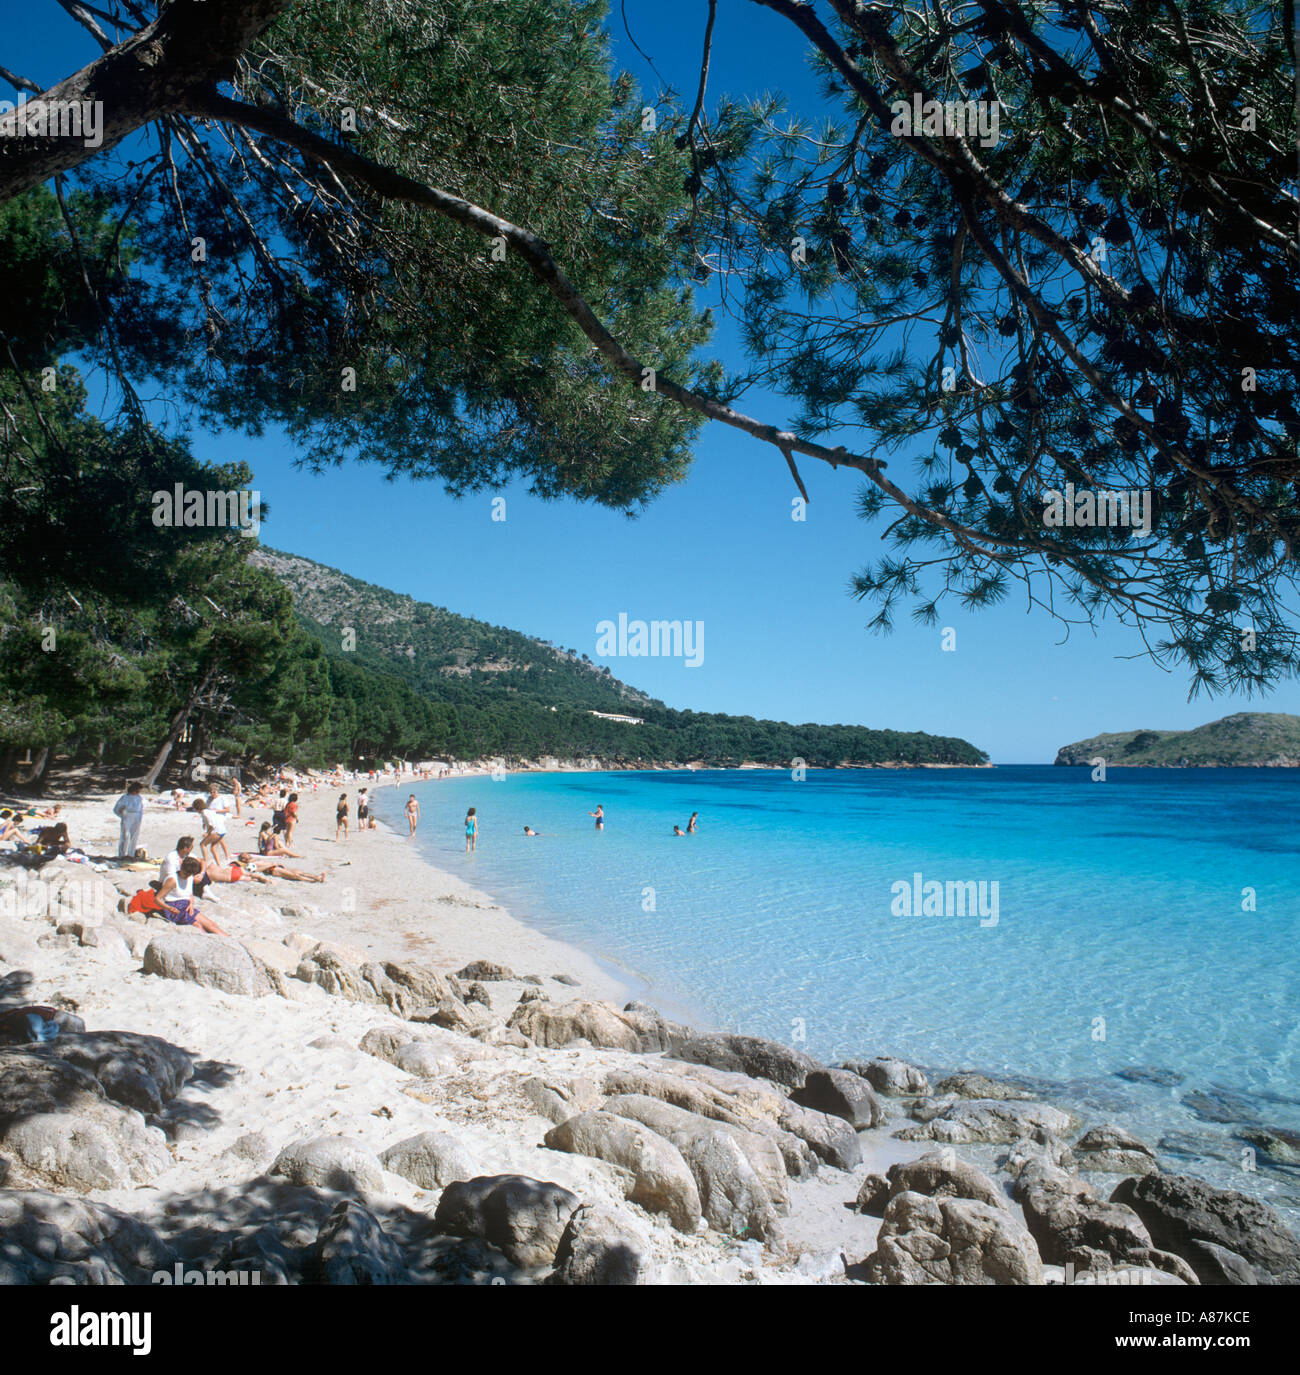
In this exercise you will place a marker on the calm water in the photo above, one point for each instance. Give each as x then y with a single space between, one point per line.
1120 938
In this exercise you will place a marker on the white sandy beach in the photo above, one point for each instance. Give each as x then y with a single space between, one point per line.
282 1063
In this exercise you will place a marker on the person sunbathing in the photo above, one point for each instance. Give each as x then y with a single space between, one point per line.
276 870
177 895
231 873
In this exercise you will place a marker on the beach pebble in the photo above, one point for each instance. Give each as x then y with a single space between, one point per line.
254 1146
523 1217
329 1162
430 1160
566 979
330 1043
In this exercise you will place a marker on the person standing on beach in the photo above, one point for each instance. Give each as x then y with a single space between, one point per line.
129 808
237 793
412 812
214 833
471 830
692 825
599 814
341 818
290 818
363 810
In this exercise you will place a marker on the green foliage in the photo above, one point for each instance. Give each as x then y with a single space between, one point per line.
1247 738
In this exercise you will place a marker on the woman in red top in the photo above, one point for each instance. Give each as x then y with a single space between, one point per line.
290 818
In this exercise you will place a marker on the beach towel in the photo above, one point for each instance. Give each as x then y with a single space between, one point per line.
146 901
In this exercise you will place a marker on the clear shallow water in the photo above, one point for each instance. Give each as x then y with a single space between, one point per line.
1120 940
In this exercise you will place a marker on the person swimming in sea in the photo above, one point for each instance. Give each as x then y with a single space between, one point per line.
528 831
599 814
471 830
677 831
693 824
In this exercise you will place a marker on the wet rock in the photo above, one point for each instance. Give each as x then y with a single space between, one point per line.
524 1218
1151 1074
1114 1151
1282 1147
978 1119
969 1083
1220 1105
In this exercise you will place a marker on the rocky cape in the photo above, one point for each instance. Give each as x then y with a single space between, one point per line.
1264 740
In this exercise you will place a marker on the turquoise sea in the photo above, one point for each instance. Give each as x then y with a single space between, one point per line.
1150 922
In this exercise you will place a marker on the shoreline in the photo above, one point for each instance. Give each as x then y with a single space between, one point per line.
298 1067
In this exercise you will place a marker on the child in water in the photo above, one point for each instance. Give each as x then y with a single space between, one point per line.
471 830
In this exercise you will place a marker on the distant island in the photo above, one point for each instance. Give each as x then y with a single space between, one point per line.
1247 739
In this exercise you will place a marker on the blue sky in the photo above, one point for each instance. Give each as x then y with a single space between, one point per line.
782 637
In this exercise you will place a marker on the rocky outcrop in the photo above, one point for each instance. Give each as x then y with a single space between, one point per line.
957 1120
739 1184
941 1175
829 1138
402 988
559 1099
430 1160
211 962
750 1055
952 1241
597 1023
841 1094
659 1179
888 1075
59 1125
734 1099
329 1162
601 1246
353 1248
47 1238
970 1083
1111 1150
523 1218
1185 1216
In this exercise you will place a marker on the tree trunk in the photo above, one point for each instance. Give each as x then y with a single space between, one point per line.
178 725
34 780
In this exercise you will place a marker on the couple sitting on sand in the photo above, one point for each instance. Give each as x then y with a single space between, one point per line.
182 879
